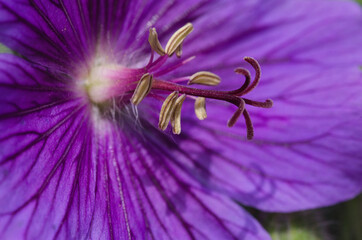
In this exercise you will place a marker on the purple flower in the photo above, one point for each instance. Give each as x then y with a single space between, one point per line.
78 160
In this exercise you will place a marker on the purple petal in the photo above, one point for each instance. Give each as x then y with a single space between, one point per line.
275 32
67 34
307 150
70 173
64 176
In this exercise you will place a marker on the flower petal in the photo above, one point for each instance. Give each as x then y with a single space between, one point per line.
68 34
275 32
67 172
42 34
34 117
156 201
306 152
101 178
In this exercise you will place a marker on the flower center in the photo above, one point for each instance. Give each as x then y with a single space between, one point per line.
106 81
109 81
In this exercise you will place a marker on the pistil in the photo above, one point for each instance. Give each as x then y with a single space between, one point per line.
233 97
107 82
171 108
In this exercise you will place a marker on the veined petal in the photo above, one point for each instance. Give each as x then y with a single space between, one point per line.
275 32
66 175
69 34
306 152
44 32
35 119
160 203
70 173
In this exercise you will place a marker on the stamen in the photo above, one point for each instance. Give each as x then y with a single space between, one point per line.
200 108
176 116
177 38
233 97
179 50
167 110
171 108
204 78
143 88
155 43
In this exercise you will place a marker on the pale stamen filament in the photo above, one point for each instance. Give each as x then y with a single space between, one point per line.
143 88
205 78
167 109
155 43
177 38
200 108
179 50
176 116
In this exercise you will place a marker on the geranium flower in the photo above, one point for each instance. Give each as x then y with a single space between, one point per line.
82 154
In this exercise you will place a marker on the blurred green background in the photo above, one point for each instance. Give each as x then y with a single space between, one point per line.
339 222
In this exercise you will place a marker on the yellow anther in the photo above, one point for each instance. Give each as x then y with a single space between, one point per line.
204 78
177 38
167 110
176 116
200 108
143 88
179 51
155 43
